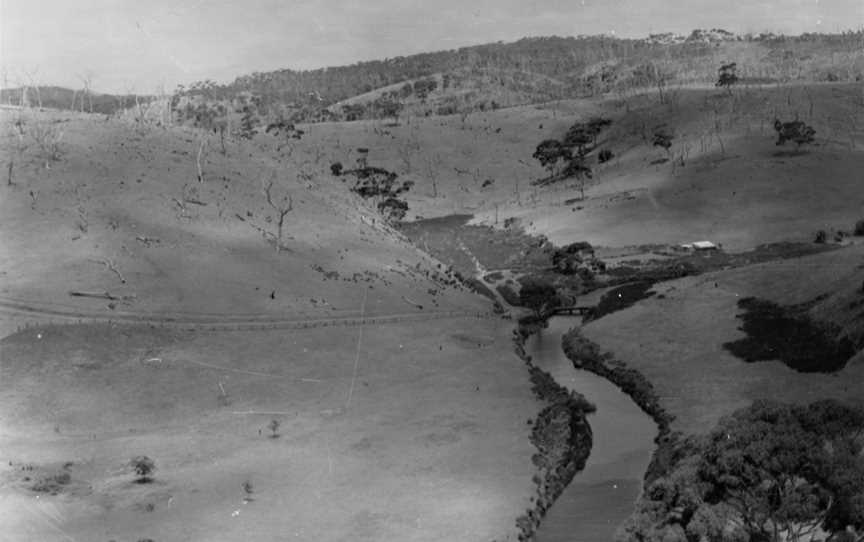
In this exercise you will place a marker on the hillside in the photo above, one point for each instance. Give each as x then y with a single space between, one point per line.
392 390
131 198
535 70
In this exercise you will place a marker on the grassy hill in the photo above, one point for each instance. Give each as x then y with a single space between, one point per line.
379 418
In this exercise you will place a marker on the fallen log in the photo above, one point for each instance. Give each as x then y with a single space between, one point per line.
101 295
97 295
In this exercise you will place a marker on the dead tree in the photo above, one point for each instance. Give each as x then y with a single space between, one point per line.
282 206
32 80
86 79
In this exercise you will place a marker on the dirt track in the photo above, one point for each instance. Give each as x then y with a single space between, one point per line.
27 314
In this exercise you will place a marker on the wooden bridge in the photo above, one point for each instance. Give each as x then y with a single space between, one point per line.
581 310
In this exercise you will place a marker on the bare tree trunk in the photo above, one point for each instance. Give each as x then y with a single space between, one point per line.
198 160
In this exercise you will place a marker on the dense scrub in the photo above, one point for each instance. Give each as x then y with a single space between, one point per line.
620 298
788 334
768 472
586 355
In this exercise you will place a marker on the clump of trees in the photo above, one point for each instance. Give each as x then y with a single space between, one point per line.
568 158
769 472
727 76
795 131
539 295
577 259
382 187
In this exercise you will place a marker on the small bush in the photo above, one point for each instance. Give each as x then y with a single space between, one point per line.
336 168
859 228
48 137
605 155
143 467
52 483
821 237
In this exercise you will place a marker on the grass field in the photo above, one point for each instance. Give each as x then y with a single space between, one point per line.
676 338
429 440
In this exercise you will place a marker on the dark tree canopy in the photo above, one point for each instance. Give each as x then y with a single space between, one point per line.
538 295
550 152
795 131
662 138
768 472
579 136
143 467
727 76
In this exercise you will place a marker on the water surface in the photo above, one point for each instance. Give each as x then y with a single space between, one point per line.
602 496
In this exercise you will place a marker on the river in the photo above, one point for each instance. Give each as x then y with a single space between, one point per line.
601 496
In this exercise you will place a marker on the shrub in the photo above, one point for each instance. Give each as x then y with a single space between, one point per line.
662 138
605 155
336 168
48 136
859 228
821 237
143 467
52 483
795 131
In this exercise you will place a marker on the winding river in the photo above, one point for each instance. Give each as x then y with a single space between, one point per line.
602 496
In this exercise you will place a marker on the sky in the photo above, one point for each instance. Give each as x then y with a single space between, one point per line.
141 45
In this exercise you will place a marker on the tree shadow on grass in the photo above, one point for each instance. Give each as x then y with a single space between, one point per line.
788 334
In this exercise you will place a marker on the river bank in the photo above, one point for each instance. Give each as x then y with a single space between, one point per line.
560 433
586 355
603 494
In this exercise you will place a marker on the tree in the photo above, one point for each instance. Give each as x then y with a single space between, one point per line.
282 205
662 138
86 79
578 169
595 127
550 152
32 79
273 426
143 467
382 187
769 472
727 76
579 135
392 209
284 129
795 131
770 469
605 155
388 108
538 295
248 489
249 122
